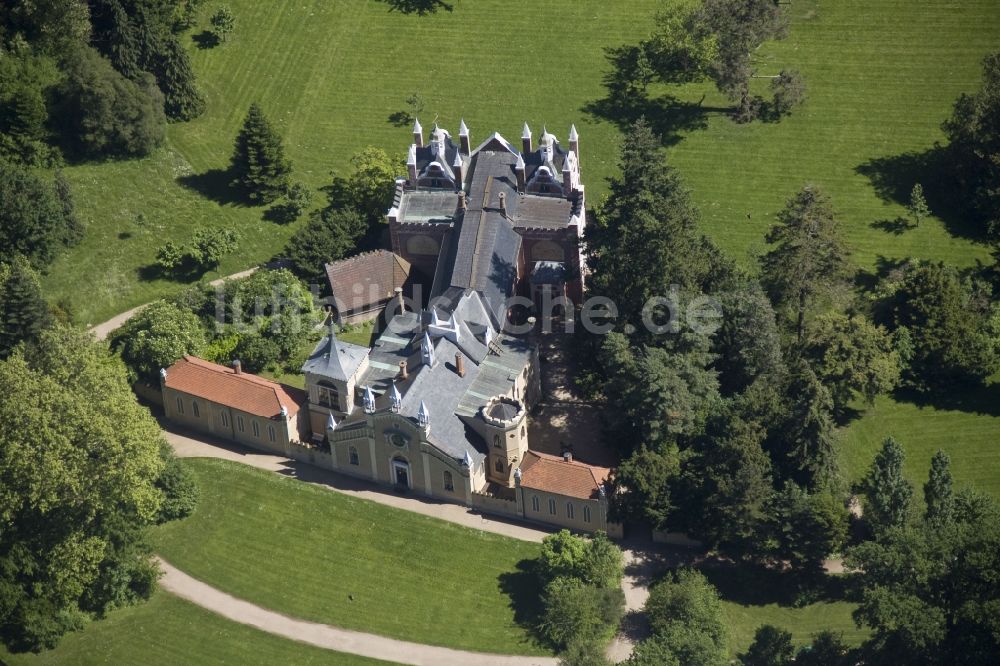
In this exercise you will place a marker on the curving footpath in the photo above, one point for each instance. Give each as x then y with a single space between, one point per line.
329 637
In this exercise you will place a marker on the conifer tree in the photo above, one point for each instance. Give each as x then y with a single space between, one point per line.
25 313
887 491
259 162
918 208
809 258
938 492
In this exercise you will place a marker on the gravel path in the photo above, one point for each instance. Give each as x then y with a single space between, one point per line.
326 636
103 330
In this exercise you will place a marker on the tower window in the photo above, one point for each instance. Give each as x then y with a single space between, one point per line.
352 454
496 441
328 396
449 483
498 466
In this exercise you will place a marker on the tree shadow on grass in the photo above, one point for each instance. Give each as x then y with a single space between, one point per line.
750 584
524 588
893 179
628 99
206 39
971 399
214 184
418 7
896 227
400 119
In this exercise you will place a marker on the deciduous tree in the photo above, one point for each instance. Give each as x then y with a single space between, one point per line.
156 337
685 616
772 646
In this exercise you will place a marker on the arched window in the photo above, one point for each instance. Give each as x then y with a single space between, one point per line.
534 503
225 420
328 396
180 405
256 428
449 484
270 432
496 441
352 454
498 466
552 507
569 510
239 422
586 514
524 431
195 410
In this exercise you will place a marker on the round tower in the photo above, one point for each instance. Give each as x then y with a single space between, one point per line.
506 437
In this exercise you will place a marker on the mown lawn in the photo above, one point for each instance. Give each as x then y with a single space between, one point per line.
305 551
803 622
168 631
966 427
881 77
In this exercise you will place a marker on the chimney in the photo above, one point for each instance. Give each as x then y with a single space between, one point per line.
464 139
519 173
404 372
237 367
503 204
526 140
399 299
458 166
568 456
460 364
418 133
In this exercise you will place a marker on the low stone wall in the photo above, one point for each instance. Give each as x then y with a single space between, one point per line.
148 392
675 539
489 504
309 454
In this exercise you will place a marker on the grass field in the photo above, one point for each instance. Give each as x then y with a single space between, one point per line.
803 623
968 430
168 631
881 77
302 550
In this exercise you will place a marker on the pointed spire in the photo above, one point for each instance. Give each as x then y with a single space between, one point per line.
526 131
462 129
331 423
457 162
573 136
520 162
424 416
397 399
467 460
417 129
435 320
369 400
411 155
427 350
487 336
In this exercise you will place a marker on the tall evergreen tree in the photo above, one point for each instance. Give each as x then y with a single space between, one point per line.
25 313
259 164
938 492
644 236
172 68
809 258
806 449
887 491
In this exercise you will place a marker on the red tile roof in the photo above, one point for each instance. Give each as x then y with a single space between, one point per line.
379 273
552 474
245 392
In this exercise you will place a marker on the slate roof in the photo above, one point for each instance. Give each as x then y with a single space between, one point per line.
541 471
244 391
335 358
379 273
